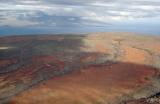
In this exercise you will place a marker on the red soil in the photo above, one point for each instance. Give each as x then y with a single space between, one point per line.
133 55
92 84
4 63
39 64
91 80
48 60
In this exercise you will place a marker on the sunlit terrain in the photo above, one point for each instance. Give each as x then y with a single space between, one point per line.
96 68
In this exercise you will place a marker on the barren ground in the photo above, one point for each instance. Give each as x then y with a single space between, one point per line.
97 68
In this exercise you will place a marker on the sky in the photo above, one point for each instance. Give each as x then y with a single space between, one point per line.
79 16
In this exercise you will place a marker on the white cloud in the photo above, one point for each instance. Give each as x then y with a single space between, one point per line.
14 22
100 3
17 7
96 10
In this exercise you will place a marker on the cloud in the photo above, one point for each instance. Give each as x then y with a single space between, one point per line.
74 12
16 22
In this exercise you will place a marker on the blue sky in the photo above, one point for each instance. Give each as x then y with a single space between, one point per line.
78 16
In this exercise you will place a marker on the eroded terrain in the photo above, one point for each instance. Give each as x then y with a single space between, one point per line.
100 68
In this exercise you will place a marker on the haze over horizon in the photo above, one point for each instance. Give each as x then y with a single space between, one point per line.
73 16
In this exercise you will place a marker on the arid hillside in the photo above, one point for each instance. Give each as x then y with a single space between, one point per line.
97 68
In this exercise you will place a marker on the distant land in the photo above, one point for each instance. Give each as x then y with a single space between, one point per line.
142 29
92 68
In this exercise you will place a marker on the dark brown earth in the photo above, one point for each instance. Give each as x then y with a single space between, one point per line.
99 68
